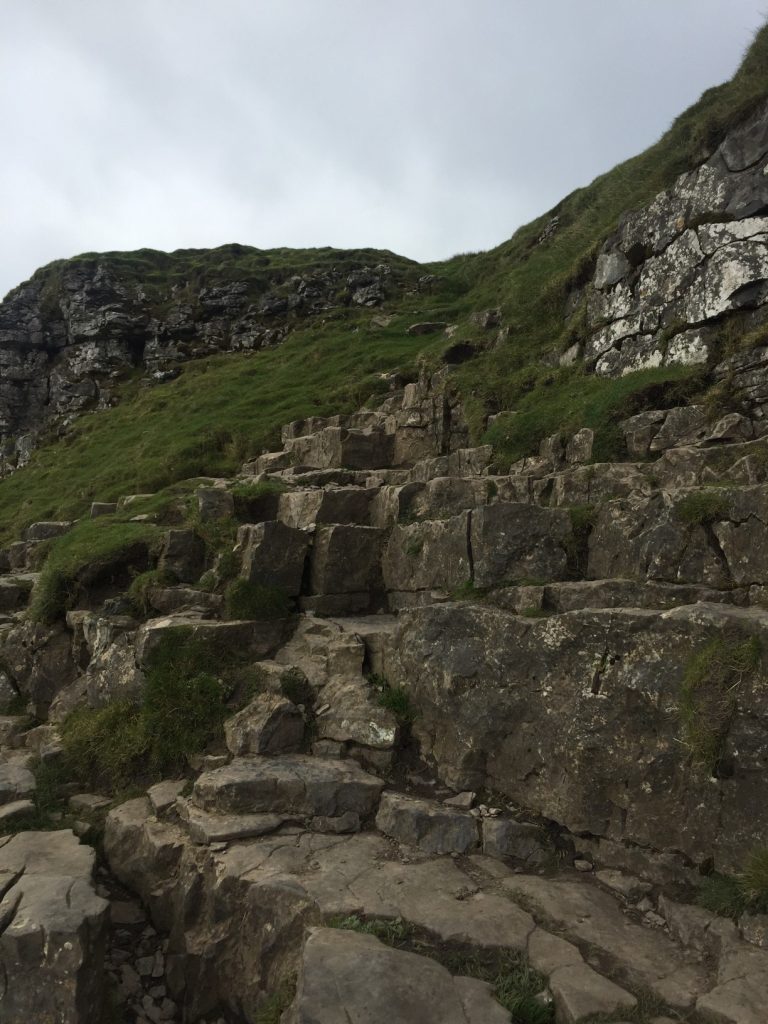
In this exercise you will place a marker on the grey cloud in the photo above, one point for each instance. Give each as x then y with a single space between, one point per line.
426 127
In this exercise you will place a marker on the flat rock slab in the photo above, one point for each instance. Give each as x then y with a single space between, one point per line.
579 992
346 976
433 828
51 930
294 784
259 638
588 914
205 828
741 995
354 874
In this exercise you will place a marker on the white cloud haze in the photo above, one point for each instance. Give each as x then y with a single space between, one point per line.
427 127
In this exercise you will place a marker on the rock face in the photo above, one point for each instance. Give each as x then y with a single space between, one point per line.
552 712
77 327
52 927
697 252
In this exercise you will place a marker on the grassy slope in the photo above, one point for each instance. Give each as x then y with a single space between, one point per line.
225 408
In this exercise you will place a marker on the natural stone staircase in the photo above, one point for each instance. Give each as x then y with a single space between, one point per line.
545 742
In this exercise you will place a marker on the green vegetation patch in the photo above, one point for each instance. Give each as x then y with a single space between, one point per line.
220 411
709 694
733 895
701 508
192 685
93 549
546 401
395 699
246 600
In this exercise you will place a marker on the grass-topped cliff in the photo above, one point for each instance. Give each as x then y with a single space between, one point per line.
226 407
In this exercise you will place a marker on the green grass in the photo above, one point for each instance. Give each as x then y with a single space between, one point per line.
191 686
709 695
92 550
394 699
246 600
701 508
731 896
220 411
546 401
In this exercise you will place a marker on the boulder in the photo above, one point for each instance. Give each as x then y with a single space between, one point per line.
551 711
259 638
270 724
214 503
509 544
429 555
182 555
16 782
346 505
433 828
46 531
51 945
520 840
273 554
346 560
39 661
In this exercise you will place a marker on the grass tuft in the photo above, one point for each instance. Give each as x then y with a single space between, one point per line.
246 600
191 686
709 695
701 508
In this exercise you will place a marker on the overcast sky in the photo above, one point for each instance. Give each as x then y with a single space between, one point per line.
428 127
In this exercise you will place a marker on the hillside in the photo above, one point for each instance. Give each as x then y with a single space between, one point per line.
389 642
235 406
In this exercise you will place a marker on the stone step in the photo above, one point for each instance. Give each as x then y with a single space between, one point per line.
431 827
206 827
557 598
259 638
293 784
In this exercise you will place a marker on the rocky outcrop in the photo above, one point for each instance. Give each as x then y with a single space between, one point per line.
52 931
78 327
693 256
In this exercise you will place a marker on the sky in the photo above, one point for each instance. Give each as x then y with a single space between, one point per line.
428 127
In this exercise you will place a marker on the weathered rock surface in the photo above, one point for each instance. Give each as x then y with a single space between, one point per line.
293 784
552 712
52 927
430 827
397 985
270 724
